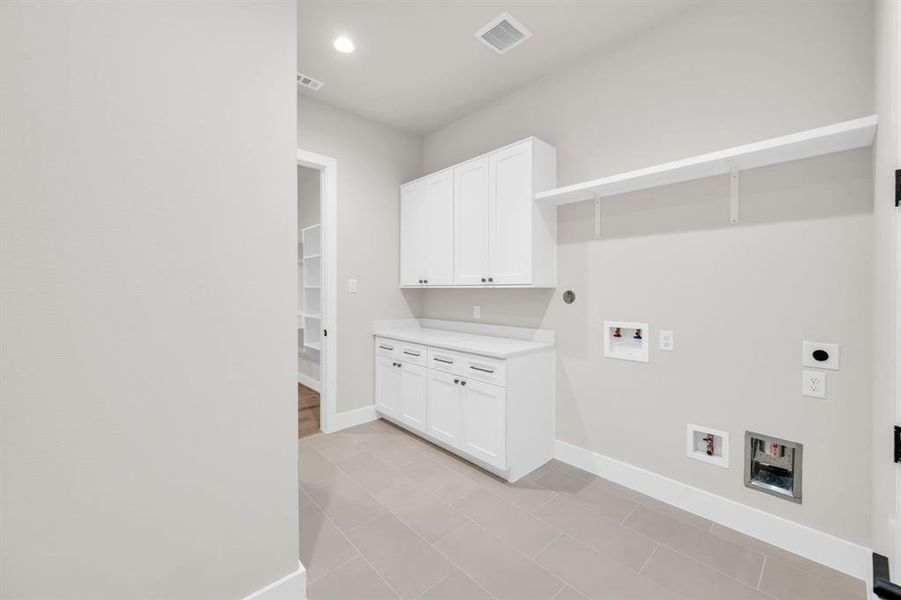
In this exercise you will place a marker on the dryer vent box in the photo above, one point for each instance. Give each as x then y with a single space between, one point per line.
773 466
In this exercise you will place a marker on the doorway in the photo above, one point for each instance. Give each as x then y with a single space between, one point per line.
316 303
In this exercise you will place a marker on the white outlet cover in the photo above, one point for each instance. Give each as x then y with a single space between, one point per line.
813 384
807 359
352 286
666 340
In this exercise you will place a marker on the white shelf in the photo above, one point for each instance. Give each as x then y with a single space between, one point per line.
848 135
312 256
313 346
316 317
312 287
310 228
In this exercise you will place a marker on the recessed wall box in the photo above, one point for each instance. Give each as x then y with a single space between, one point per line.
626 340
819 355
773 465
708 445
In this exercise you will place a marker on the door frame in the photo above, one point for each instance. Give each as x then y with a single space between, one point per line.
328 221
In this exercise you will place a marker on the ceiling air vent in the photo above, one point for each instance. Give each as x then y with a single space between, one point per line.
503 33
308 82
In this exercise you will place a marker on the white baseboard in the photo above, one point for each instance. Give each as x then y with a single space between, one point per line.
308 381
292 586
343 420
826 549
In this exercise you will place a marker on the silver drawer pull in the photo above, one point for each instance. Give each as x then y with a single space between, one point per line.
443 360
386 347
489 371
411 353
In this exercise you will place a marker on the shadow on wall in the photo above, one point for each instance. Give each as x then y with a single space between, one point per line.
816 188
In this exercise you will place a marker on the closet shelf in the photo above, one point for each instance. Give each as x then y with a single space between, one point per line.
313 346
838 137
306 256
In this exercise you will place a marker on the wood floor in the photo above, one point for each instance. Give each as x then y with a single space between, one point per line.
307 411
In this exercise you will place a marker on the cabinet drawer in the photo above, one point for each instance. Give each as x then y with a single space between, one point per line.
489 370
412 353
386 347
445 360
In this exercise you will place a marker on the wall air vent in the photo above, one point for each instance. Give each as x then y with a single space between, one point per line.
308 82
503 33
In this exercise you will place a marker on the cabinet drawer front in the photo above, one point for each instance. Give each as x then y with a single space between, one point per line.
386 347
412 353
489 370
445 360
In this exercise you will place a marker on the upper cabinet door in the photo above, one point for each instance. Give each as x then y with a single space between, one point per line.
471 220
438 241
413 254
510 215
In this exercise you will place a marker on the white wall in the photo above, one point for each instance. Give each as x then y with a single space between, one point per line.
373 160
740 298
148 222
887 158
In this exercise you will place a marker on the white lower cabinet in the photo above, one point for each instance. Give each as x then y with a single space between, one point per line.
484 422
413 390
495 412
445 407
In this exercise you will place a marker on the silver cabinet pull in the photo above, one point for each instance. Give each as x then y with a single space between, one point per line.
443 360
411 353
386 347
489 371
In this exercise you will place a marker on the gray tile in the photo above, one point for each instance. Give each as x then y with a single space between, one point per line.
305 499
490 562
441 481
842 580
591 494
449 460
603 534
405 560
372 474
524 493
785 582
424 512
313 466
456 586
345 502
686 517
596 575
555 464
391 451
333 446
691 579
508 522
724 556
354 579
322 546
568 593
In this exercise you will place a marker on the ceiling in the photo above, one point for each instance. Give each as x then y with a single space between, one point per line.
418 65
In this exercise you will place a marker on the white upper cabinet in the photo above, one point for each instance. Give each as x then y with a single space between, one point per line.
427 230
497 234
471 222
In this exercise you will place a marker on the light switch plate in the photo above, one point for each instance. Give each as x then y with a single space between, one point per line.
813 384
820 355
352 286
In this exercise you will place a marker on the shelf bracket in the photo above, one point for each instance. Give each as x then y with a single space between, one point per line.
597 218
734 195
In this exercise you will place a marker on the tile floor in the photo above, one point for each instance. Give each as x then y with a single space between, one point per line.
384 514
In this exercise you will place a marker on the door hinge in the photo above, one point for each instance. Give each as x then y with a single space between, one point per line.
897 444
897 187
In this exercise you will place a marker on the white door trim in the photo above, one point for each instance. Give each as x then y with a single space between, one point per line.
328 190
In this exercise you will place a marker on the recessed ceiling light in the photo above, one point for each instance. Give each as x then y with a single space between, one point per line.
344 44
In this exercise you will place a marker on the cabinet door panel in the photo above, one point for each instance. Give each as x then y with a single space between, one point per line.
413 224
471 222
413 386
387 386
510 215
445 408
439 237
484 422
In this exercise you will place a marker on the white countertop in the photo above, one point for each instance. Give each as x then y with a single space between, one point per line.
484 345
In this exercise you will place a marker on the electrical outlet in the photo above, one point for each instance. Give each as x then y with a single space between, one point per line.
666 340
813 384
352 286
476 311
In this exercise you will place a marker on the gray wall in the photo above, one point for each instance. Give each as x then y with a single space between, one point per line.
148 228
373 160
740 298
887 158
